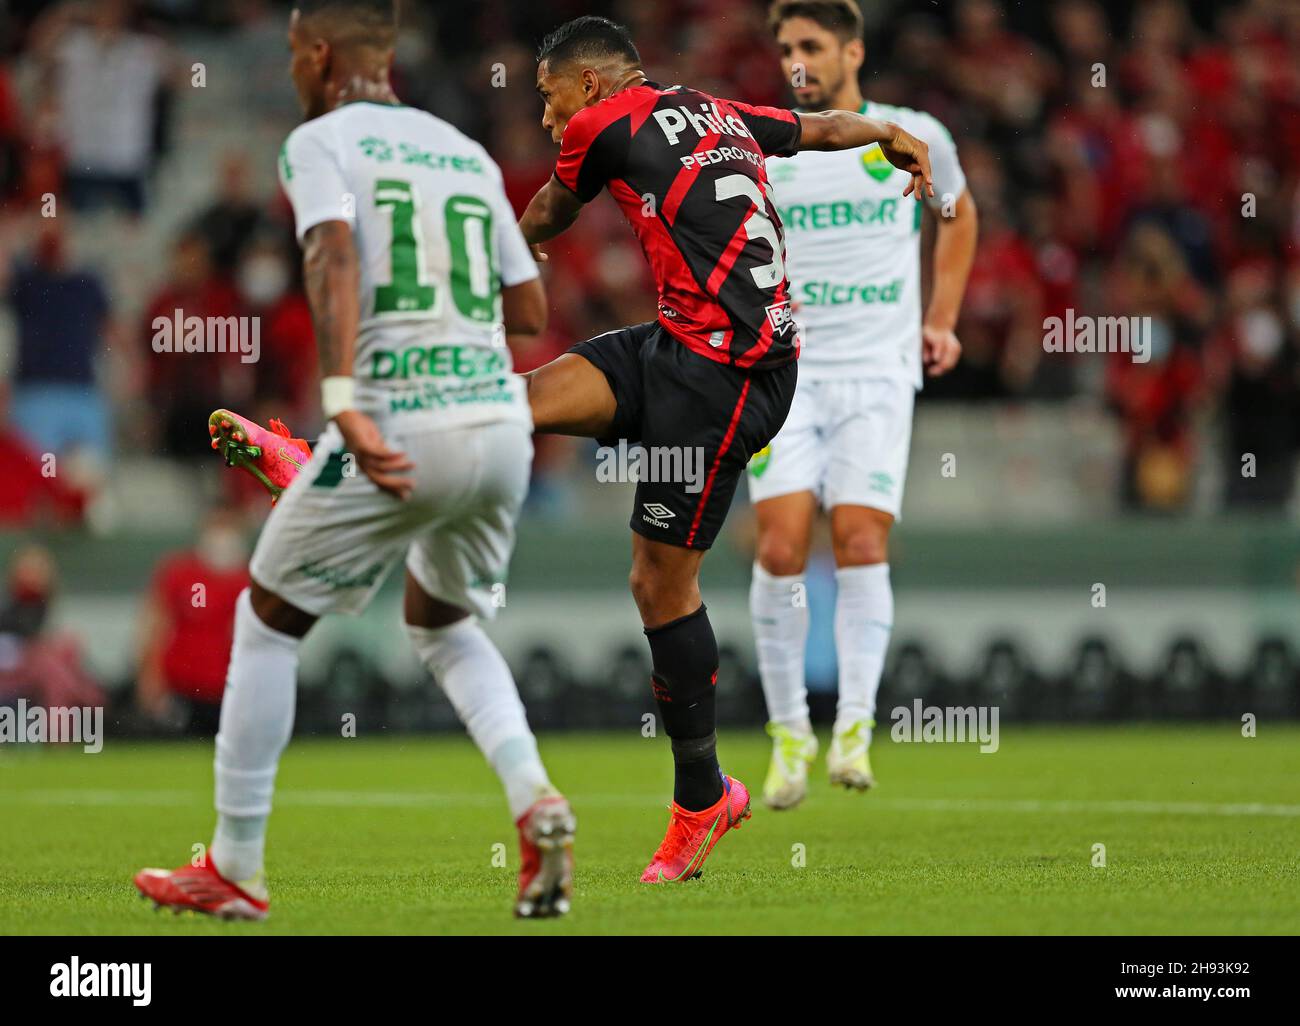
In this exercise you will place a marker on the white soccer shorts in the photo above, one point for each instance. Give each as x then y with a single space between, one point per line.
846 441
334 537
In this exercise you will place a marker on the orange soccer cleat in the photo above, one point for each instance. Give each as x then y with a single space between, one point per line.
271 456
200 889
692 835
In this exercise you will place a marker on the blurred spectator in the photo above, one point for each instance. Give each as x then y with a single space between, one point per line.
38 664
286 376
234 216
265 91
26 602
1262 394
1156 399
110 83
1012 97
1001 321
185 387
62 315
1128 158
34 492
10 135
188 625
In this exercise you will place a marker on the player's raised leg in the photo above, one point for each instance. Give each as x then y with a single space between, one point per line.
256 721
570 396
779 611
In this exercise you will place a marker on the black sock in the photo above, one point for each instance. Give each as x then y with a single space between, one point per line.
685 657
697 781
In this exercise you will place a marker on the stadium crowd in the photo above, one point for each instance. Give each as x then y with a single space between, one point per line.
1127 159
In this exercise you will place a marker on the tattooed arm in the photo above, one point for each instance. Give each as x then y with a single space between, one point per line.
332 276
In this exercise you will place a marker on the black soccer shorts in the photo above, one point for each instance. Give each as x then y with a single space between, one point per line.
698 420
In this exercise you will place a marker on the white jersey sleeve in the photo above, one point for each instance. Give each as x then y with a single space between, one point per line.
949 179
313 178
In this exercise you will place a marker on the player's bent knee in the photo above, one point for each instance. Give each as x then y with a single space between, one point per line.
278 614
663 594
436 647
862 548
644 586
420 609
860 535
780 556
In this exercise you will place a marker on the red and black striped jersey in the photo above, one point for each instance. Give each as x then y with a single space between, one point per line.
687 169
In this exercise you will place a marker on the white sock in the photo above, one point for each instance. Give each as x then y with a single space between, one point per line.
239 849
864 617
778 607
256 721
478 682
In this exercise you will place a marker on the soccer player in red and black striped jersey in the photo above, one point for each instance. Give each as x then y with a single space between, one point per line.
715 373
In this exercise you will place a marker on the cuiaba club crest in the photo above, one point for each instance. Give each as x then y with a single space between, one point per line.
875 164
760 460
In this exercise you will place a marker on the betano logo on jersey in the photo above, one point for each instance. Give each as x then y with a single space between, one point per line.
839 214
876 164
780 316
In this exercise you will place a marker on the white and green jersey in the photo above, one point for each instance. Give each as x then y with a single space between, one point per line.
853 250
436 238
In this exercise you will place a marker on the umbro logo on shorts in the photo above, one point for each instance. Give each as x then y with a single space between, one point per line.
658 514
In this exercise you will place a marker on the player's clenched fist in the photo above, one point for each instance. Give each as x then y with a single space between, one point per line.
384 466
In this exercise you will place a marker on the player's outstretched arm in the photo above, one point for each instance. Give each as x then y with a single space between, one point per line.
845 130
332 277
550 212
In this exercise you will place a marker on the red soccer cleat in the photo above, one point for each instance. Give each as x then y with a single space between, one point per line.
546 859
200 889
271 455
692 835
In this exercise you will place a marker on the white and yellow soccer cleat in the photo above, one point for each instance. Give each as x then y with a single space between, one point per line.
787 776
848 760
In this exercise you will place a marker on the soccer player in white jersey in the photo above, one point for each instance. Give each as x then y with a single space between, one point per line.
854 262
415 270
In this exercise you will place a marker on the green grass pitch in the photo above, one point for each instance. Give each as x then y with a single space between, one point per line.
396 835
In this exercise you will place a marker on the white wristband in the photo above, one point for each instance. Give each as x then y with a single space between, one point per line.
337 393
